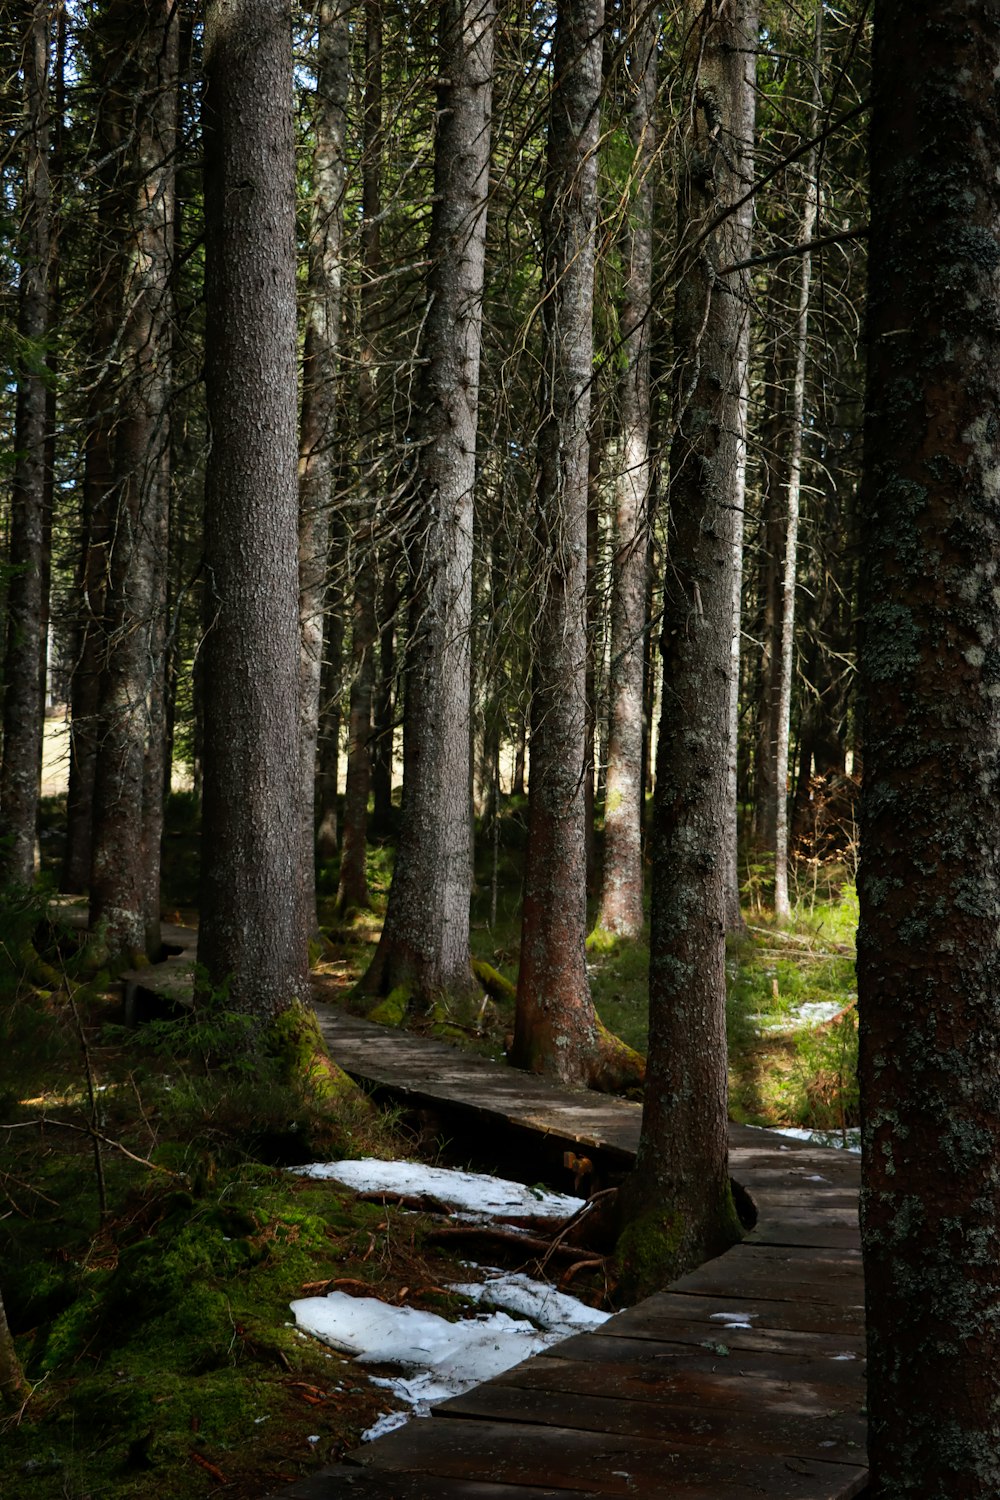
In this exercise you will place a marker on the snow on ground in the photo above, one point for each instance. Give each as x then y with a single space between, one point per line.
810 1013
486 1197
439 1358
845 1140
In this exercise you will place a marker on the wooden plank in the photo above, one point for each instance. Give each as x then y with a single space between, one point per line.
762 1416
664 1326
642 1369
574 1459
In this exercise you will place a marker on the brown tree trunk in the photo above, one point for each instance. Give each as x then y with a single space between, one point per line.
425 939
621 911
930 674
796 419
14 1389
352 892
319 388
27 602
384 704
678 1200
125 852
252 934
556 1028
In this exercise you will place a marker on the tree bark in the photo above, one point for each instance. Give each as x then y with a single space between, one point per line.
27 601
352 891
621 912
252 934
678 1201
425 940
556 1027
928 970
810 211
319 398
125 847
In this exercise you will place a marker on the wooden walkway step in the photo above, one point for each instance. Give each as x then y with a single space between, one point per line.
744 1378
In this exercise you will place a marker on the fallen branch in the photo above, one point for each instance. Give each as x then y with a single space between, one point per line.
142 1161
446 1232
209 1468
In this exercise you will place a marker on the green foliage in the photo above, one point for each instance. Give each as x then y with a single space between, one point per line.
790 1065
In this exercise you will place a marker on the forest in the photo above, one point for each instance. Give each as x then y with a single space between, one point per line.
498 529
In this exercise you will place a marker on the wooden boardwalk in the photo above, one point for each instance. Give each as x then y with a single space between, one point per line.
745 1378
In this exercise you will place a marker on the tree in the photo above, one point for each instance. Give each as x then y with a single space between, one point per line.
352 892
252 933
319 390
928 969
27 606
425 940
128 775
678 1200
796 417
621 910
557 1030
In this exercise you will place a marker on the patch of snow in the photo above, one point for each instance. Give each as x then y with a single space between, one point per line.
844 1140
518 1293
438 1359
486 1197
809 1013
733 1319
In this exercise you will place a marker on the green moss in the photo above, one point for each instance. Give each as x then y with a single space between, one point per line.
392 1010
493 982
658 1244
296 1043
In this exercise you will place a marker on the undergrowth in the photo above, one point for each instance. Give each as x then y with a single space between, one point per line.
150 1245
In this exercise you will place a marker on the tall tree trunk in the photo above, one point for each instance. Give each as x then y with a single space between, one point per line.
124 884
768 625
319 396
678 1200
930 675
328 745
796 420
731 874
252 934
352 892
556 1027
622 884
425 939
27 604
14 1389
384 703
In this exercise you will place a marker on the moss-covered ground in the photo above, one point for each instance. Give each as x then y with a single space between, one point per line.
150 1240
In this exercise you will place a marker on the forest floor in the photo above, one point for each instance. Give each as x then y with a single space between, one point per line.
151 1238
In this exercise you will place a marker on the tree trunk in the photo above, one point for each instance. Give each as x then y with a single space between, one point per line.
384 704
252 934
621 911
328 746
27 602
352 892
782 908
731 874
930 675
125 851
425 940
678 1201
556 1028
14 1389
319 395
